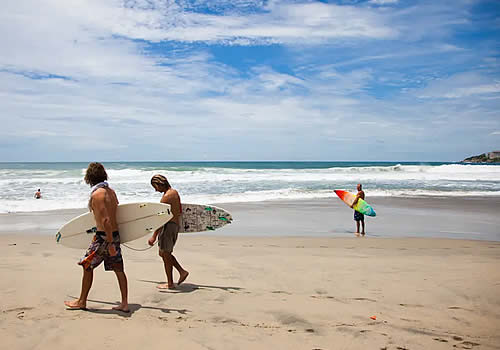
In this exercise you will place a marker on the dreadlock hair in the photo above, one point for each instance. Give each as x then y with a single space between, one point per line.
160 182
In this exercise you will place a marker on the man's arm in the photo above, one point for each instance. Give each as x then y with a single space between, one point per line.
152 240
166 198
101 214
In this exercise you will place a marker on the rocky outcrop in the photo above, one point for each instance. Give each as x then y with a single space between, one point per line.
490 157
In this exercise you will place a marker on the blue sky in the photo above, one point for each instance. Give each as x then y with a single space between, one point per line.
249 80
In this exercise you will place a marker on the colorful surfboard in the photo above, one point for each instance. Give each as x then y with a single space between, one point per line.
361 206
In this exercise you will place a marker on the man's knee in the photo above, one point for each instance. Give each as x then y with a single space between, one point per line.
165 254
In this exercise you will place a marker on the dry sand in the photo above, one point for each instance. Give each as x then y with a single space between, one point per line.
258 292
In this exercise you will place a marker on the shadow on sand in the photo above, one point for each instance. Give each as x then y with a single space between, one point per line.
191 287
132 307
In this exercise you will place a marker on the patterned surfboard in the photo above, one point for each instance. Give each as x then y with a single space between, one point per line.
199 218
361 206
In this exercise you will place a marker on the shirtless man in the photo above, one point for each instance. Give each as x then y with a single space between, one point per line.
105 245
38 194
357 215
167 235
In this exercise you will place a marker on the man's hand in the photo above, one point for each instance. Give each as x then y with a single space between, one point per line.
152 241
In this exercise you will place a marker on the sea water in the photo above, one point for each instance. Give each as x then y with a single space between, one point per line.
62 184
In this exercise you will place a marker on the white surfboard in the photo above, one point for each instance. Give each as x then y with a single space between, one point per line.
200 217
134 221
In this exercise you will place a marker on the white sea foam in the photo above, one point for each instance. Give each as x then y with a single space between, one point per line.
63 187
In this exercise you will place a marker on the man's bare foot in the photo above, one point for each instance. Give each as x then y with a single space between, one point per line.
165 286
356 234
182 277
75 305
362 234
122 308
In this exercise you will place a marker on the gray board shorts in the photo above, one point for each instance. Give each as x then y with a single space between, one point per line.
168 237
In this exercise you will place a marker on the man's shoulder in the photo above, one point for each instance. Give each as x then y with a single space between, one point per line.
171 194
102 192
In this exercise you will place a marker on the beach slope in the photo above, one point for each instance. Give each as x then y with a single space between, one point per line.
260 292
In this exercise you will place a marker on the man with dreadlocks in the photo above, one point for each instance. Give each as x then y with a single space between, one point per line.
167 235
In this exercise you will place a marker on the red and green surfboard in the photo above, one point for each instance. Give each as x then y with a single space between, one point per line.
361 206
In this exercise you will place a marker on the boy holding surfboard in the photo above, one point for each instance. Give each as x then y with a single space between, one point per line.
167 235
105 246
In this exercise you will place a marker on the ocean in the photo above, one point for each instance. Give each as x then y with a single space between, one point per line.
62 184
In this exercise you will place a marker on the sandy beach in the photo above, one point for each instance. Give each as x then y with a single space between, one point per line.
253 286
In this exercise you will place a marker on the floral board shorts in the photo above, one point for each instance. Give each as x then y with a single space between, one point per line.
98 252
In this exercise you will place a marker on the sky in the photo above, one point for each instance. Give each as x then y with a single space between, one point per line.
165 80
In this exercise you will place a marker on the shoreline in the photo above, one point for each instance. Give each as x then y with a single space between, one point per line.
444 217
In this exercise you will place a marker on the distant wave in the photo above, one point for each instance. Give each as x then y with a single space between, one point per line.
63 186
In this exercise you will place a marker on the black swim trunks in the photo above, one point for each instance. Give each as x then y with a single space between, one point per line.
98 252
358 216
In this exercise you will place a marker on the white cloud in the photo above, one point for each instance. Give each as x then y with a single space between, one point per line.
461 85
110 93
383 2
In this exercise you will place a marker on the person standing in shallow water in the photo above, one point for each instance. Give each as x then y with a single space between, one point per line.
38 194
167 235
358 217
105 245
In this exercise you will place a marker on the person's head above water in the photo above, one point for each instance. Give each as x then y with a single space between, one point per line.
359 187
160 183
95 174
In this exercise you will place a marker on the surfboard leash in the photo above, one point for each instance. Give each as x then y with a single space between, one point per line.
137 249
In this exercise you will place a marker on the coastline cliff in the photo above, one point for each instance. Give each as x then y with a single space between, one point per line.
490 157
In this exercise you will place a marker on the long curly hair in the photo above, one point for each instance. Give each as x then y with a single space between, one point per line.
95 173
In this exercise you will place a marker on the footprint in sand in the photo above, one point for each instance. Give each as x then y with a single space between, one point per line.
321 291
458 308
411 305
441 340
364 299
468 344
280 292
19 309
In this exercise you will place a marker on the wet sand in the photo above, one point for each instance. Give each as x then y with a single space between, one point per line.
446 217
